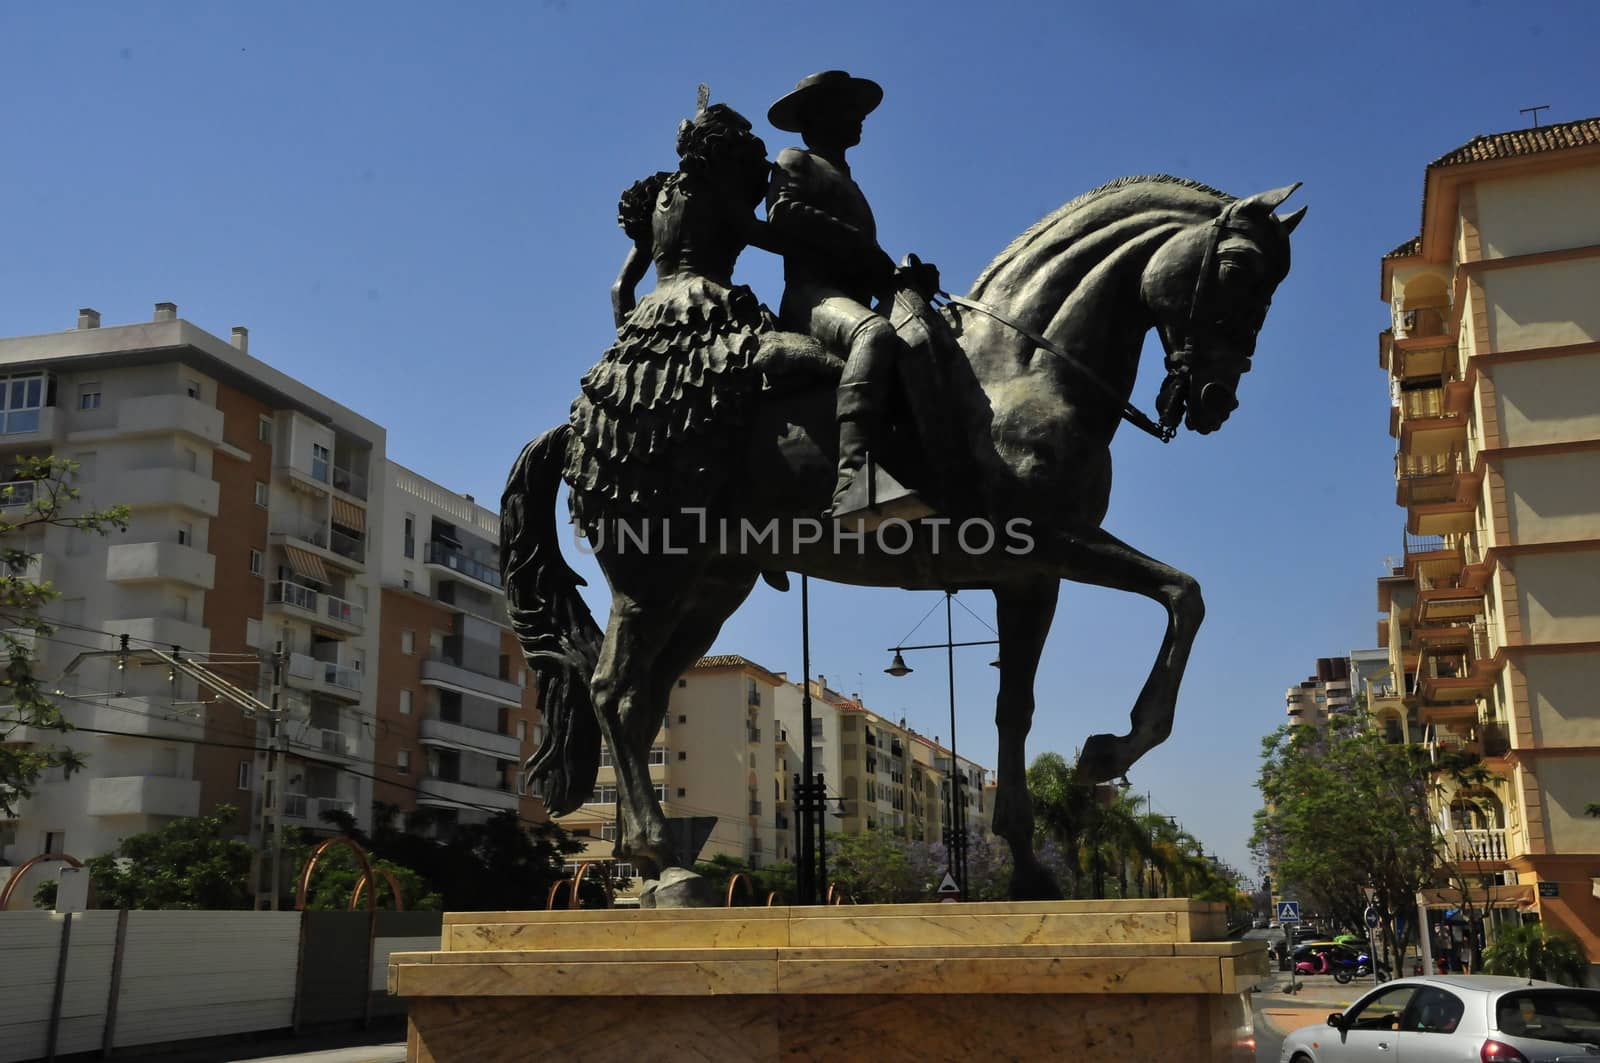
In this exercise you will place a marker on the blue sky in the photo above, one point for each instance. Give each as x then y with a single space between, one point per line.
412 207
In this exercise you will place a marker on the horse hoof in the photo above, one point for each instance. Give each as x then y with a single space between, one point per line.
1102 759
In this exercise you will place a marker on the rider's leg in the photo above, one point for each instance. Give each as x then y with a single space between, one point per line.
863 389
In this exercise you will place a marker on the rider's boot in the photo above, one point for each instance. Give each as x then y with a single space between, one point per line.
855 412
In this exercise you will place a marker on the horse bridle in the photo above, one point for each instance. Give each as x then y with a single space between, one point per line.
1170 401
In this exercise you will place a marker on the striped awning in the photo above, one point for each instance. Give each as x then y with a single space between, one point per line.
349 515
306 564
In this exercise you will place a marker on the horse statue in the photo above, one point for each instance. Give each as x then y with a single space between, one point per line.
1040 361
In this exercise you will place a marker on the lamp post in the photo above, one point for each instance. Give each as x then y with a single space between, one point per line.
956 833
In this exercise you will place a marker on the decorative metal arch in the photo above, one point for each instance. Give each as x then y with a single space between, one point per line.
772 898
749 887
575 899
361 887
366 873
10 886
555 890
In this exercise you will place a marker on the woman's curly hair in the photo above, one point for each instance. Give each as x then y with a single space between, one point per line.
717 138
636 204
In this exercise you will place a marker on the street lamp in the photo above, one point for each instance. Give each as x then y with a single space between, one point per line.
956 846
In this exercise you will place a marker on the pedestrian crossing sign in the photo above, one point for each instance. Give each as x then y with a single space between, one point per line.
1288 911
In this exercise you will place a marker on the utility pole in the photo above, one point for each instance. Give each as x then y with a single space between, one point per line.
275 743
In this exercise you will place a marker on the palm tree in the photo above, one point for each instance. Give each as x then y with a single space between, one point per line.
1532 951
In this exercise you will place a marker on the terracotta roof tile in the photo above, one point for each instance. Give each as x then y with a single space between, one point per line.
1576 134
1410 247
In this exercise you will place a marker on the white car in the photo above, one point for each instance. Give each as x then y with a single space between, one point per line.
1457 1019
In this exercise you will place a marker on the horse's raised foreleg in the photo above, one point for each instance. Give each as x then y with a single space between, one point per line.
1100 558
1024 612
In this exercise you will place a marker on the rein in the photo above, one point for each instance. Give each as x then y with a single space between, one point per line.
1130 413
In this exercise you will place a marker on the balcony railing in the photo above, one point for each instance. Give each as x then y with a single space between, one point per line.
350 482
18 493
439 553
345 612
337 742
340 676
1420 403
335 804
1422 466
294 806
283 592
1480 844
1423 321
347 546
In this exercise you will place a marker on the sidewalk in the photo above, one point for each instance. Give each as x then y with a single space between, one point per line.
1318 996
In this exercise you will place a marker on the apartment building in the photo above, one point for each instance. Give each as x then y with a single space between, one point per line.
457 713
1322 695
731 747
249 541
1492 622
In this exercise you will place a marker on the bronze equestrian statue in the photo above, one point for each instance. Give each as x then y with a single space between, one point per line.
706 443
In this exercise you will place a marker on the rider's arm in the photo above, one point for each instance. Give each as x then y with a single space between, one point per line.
633 271
794 222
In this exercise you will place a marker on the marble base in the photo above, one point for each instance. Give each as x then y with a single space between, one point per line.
1118 980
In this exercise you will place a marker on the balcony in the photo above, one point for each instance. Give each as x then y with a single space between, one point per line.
144 795
447 793
160 562
344 614
327 677
350 482
164 631
752 735
435 732
1479 846
140 717
1425 423
446 673
166 414
1428 479
296 806
295 599
327 741
16 494
444 555
349 547
1420 323
321 805
161 488
23 428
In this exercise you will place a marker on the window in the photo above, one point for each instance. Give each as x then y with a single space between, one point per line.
409 538
319 462
256 564
682 755
264 429
608 832
407 578
683 683
408 642
89 395
245 768
661 791
658 755
191 387
252 633
185 533
1382 1011
1434 1011
683 719
402 762
522 730
603 795
182 608
21 399
682 792
605 755
405 703
262 494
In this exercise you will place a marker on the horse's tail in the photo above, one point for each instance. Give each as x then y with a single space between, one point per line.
558 634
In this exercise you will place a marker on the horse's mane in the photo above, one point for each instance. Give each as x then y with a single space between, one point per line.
1049 221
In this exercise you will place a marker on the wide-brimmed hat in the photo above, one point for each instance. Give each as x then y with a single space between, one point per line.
830 88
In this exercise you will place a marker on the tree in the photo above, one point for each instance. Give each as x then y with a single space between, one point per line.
39 496
189 863
1531 951
1346 811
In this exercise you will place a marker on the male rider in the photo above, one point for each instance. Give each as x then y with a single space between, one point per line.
832 264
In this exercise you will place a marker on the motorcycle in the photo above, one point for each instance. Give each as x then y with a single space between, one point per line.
1345 965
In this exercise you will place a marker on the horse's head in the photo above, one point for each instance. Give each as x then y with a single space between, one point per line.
1209 288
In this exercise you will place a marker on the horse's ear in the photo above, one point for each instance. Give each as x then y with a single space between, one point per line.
1289 221
1268 201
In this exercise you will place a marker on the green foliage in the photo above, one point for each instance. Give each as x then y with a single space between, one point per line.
1346 811
1103 843
763 881
498 865
39 497
334 880
1532 951
189 863
879 867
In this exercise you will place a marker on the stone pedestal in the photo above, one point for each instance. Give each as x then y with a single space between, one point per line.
1133 980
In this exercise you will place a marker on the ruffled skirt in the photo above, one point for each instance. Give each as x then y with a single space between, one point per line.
659 426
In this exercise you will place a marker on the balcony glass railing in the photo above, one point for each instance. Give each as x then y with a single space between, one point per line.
18 493
335 804
350 482
439 553
345 612
283 592
340 676
350 546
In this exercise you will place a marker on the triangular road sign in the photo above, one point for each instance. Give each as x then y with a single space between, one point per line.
948 889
